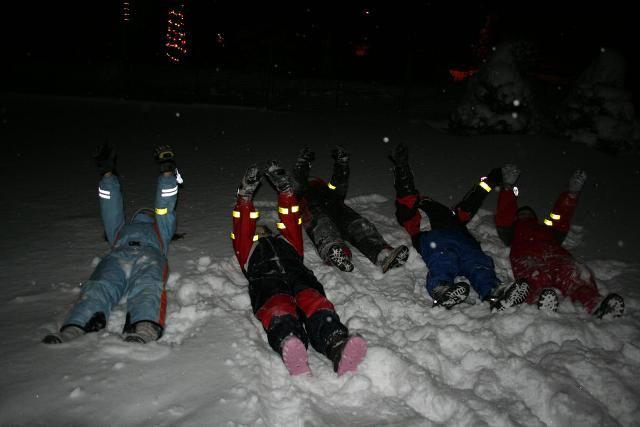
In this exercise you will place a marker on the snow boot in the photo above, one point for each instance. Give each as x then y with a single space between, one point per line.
294 356
447 295
338 257
611 306
514 294
389 258
144 332
346 353
548 300
66 334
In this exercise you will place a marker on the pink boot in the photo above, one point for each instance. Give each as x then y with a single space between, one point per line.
351 353
294 356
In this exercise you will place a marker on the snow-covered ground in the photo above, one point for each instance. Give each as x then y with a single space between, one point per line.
213 366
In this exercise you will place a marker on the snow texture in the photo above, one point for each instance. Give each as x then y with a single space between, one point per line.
498 99
599 112
213 367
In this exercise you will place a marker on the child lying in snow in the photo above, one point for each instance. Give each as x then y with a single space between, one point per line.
448 248
136 266
285 295
537 254
329 222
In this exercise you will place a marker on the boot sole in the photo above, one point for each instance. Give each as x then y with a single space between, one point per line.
548 301
515 295
455 297
352 355
397 257
295 358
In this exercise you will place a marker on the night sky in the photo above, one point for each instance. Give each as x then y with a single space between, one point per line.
388 41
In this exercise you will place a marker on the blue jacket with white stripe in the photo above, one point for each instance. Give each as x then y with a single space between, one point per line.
143 229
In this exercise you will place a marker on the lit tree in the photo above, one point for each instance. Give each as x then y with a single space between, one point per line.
126 10
176 44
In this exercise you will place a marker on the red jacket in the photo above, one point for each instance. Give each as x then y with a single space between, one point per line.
528 237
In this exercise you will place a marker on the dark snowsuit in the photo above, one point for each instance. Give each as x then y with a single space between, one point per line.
285 295
328 221
448 249
537 254
136 266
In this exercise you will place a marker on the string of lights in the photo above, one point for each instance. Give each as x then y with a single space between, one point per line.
126 10
176 44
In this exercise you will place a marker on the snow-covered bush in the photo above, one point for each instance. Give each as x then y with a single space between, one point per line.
498 98
599 111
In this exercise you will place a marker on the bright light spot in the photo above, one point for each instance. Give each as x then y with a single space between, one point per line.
493 48
602 50
178 114
432 245
620 243
385 139
516 102
514 115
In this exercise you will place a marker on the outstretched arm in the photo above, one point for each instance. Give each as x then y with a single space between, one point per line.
507 203
564 208
301 170
290 225
469 205
407 197
111 205
166 194
245 216
340 178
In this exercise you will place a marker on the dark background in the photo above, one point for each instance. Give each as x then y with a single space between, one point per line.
305 54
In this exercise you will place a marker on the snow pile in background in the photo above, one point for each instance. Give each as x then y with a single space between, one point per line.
497 98
599 112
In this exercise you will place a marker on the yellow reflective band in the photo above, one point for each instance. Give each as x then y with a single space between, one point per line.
283 211
161 211
331 186
235 214
485 186
281 226
255 237
554 217
299 220
295 209
548 222
233 236
254 214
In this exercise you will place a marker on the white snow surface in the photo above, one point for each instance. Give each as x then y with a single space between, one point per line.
213 367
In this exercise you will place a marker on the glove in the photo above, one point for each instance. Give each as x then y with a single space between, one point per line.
279 177
250 181
400 155
510 174
165 158
105 157
577 180
306 156
494 178
339 154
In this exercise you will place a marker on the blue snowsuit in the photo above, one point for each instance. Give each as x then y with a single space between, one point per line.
136 266
448 249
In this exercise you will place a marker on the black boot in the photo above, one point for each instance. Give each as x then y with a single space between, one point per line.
612 305
448 295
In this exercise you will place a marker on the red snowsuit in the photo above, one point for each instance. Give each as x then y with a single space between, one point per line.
285 295
537 254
